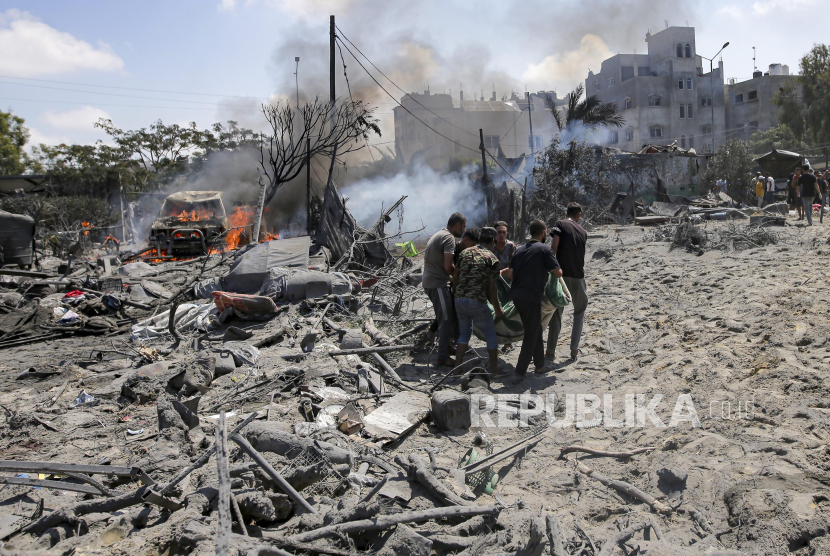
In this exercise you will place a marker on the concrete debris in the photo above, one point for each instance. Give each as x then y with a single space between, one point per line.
285 397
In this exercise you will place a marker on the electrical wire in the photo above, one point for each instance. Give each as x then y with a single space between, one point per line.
123 88
107 94
349 87
396 85
104 104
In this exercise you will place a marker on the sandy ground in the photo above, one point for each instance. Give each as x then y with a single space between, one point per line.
740 338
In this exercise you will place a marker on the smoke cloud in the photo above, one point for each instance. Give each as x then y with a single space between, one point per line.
431 199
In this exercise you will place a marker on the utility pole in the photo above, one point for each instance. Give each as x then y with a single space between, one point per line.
484 177
530 119
308 185
297 79
331 68
712 90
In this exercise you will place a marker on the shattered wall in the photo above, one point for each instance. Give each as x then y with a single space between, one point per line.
678 173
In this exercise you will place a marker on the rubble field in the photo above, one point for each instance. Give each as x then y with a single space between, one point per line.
320 426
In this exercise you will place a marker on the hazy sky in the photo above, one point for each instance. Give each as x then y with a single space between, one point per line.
135 62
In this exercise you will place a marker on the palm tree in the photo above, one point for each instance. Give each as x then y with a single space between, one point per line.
584 115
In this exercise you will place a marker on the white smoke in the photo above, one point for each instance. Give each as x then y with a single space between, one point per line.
431 199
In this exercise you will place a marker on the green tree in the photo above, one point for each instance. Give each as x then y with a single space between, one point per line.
582 116
13 137
574 172
734 163
780 137
809 115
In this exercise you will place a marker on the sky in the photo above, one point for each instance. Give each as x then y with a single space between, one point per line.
64 65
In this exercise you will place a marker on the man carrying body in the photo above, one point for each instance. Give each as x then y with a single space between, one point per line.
530 268
503 249
438 268
475 283
568 240
808 191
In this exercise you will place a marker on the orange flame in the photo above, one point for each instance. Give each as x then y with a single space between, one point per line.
86 225
195 215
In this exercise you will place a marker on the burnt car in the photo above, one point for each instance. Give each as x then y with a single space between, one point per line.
189 222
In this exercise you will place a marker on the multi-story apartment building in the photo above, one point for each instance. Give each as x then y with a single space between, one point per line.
750 104
664 95
505 124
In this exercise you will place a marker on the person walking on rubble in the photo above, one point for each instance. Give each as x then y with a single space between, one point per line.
438 269
475 283
567 240
531 265
822 187
796 198
759 189
807 191
769 189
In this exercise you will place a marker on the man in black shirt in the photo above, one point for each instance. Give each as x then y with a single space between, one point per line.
807 184
568 240
532 263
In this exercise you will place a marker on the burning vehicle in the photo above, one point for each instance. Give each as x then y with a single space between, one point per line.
193 222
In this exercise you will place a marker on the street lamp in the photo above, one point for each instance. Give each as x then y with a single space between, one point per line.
712 91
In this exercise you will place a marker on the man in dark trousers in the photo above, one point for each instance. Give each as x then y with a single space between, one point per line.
807 184
438 269
532 263
568 240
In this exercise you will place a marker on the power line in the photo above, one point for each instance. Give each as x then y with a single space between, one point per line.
349 87
107 94
104 104
396 85
123 88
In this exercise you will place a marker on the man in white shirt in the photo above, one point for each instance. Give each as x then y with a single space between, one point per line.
769 191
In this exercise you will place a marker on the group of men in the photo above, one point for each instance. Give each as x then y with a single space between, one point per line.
462 266
805 187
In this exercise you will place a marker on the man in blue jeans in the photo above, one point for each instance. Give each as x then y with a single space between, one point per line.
475 282
808 190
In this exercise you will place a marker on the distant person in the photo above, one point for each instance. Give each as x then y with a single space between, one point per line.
568 239
769 189
530 268
799 207
438 270
808 191
823 187
759 189
504 249
475 284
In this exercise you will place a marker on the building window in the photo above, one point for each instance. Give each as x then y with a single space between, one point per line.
688 51
626 72
491 141
629 104
656 132
682 141
689 83
691 141
654 100
682 112
536 143
705 101
680 84
615 137
679 50
629 135
753 126
739 98
689 111
753 95
643 70
706 130
610 81
597 86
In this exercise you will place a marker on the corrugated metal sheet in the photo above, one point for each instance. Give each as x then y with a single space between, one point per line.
16 234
